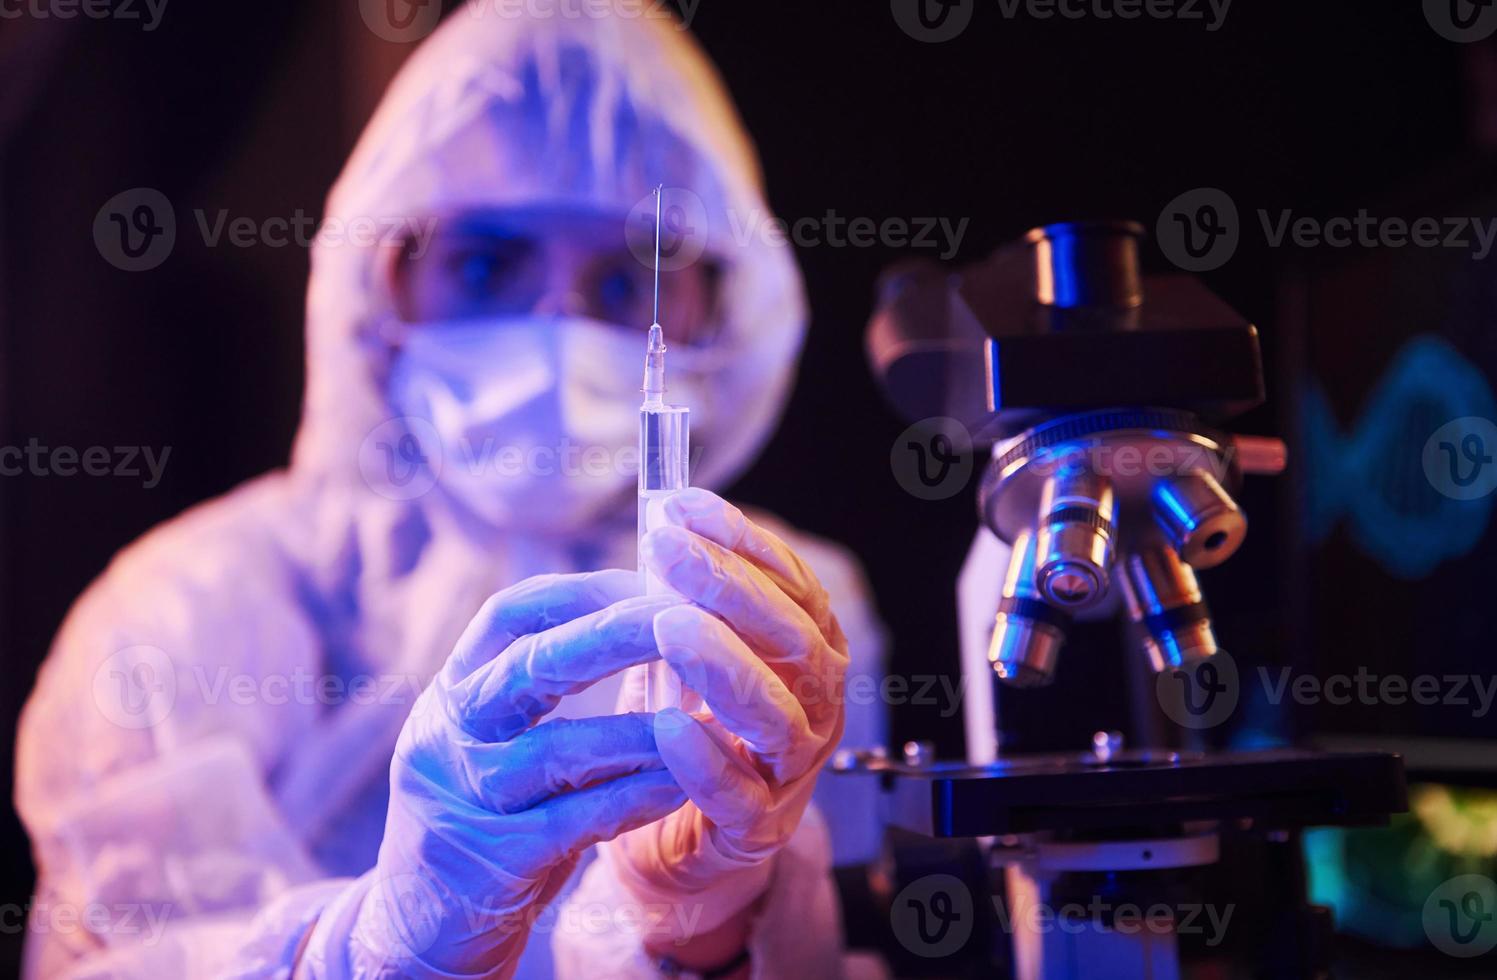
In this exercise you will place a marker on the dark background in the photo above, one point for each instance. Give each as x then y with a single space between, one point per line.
1318 107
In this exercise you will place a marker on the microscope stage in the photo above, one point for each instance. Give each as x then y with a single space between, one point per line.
1279 789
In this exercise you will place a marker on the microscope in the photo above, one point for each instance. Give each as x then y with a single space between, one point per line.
1101 392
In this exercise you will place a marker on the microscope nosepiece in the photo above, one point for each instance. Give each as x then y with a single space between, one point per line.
1024 650
1073 548
1162 596
1199 518
1028 632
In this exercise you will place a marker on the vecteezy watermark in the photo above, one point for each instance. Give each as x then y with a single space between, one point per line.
147 12
404 458
1460 916
408 21
406 917
303 231
1201 694
35 459
1134 459
1470 691
137 687
585 10
1462 21
860 689
684 231
659 920
1102 914
1458 458
932 21
395 462
934 916
401 21
833 230
1200 230
1204 694
136 230
142 922
1211 13
933 459
1365 230
936 21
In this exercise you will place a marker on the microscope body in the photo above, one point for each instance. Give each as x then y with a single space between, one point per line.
1108 480
1110 483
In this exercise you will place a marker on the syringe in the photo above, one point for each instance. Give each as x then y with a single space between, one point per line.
664 447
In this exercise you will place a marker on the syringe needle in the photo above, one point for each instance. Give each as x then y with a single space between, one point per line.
658 189
654 387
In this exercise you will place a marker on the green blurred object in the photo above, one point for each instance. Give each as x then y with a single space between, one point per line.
1377 880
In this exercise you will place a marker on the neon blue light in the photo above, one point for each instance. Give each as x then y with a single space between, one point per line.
1374 476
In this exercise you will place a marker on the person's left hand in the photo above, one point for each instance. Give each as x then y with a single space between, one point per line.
759 647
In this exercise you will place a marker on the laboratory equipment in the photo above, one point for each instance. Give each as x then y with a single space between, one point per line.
664 463
1110 483
1099 408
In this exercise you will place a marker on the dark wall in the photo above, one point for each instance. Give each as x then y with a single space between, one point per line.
1316 107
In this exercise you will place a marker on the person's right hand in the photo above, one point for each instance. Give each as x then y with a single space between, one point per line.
488 809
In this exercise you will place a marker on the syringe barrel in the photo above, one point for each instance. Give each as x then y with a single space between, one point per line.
664 468
664 460
664 448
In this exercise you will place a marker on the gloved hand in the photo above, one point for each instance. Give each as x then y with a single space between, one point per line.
489 810
761 649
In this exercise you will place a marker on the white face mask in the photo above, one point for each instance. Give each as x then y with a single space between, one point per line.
536 416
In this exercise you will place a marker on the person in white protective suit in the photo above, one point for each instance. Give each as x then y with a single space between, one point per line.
366 716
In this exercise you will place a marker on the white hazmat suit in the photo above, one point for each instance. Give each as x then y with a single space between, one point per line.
207 752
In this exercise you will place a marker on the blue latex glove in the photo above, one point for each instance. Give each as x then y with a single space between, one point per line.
490 806
764 658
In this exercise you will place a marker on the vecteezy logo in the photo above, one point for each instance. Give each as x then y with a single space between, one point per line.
402 458
932 21
932 459
1466 923
401 21
1460 916
1462 20
407 919
932 916
1458 458
1473 447
683 229
403 461
1199 230
136 229
1201 694
136 687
